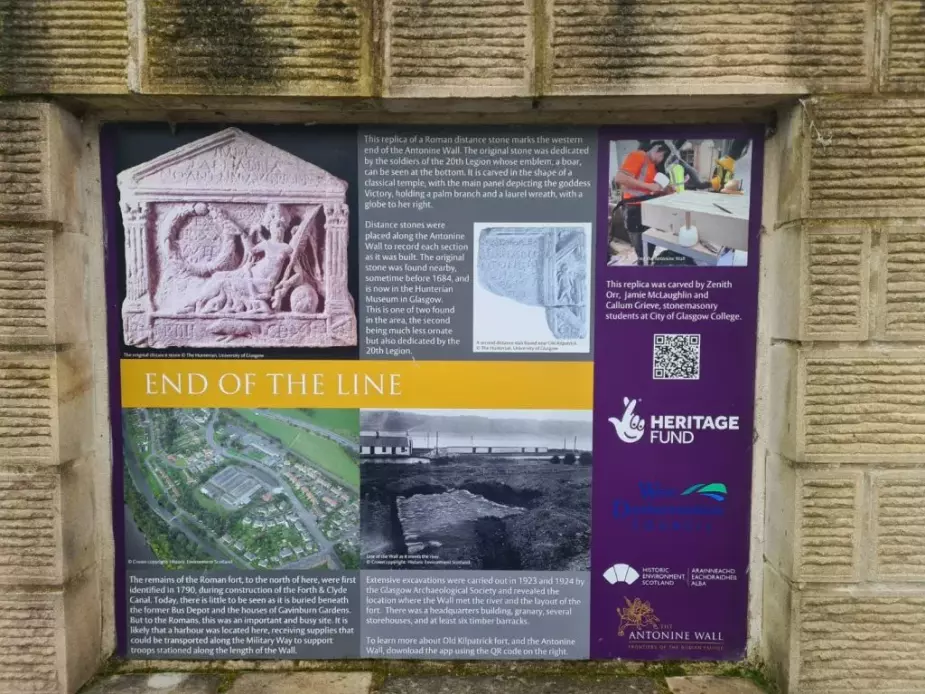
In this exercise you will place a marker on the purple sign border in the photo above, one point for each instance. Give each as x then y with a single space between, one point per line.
603 622
110 200
638 486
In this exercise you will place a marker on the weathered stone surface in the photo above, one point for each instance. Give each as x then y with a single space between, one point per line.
835 305
705 684
252 255
26 301
828 526
303 683
29 655
904 63
22 147
862 406
784 425
904 293
867 158
861 643
518 685
162 683
316 47
36 185
63 46
603 45
26 408
899 526
775 643
29 531
451 47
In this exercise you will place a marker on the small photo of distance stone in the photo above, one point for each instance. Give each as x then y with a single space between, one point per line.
531 289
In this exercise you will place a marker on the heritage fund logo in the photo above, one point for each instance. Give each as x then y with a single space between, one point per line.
630 427
644 630
667 428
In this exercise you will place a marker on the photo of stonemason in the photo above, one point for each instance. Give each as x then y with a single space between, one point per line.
532 287
246 489
233 242
475 489
679 202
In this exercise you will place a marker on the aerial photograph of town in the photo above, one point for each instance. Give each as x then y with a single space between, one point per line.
253 489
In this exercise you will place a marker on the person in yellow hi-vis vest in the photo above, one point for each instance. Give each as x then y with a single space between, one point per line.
723 179
677 177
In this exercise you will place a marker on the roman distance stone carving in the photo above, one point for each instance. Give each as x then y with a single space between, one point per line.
231 242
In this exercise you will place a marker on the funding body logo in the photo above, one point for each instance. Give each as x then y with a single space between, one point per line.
658 508
643 628
679 429
629 426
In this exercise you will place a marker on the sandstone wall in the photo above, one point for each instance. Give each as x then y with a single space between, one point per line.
53 501
839 575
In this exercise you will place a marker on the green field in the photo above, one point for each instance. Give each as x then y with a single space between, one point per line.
345 423
209 505
324 452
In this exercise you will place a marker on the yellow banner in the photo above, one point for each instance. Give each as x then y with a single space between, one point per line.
357 384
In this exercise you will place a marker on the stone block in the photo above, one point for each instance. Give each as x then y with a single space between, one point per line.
452 48
29 657
861 406
23 169
80 630
835 286
898 527
707 684
30 530
27 408
793 158
828 526
520 685
303 683
63 47
256 47
74 402
777 620
860 642
27 305
70 288
601 46
783 424
47 524
867 158
42 292
159 683
79 518
903 67
903 282
780 514
39 150
782 262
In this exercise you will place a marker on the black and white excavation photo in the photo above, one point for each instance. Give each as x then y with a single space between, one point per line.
476 489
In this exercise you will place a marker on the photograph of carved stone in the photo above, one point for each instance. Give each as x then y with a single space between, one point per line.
532 287
475 489
232 242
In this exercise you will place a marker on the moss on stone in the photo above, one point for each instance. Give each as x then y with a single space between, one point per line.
215 42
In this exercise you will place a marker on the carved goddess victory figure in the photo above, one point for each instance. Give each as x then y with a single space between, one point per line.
273 274
230 241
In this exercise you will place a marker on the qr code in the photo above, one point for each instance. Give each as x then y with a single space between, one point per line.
676 357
